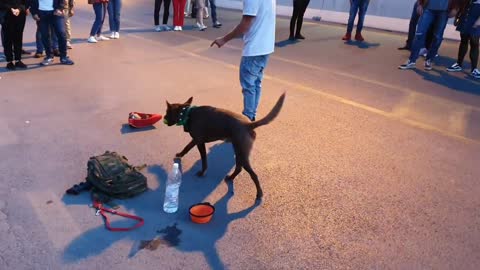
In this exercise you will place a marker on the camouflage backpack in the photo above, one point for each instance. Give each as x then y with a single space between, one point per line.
111 175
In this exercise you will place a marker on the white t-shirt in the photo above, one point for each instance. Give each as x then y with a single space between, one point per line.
260 38
45 5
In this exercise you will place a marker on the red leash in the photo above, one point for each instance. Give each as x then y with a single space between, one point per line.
101 211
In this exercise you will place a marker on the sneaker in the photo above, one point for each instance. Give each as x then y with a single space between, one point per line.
299 36
166 28
10 66
180 28
56 52
217 24
102 38
201 27
92 39
359 37
112 36
69 45
66 61
117 35
455 68
47 61
428 64
20 64
38 55
158 28
176 28
408 65
347 37
476 73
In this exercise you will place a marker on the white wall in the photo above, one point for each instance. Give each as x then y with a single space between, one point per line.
391 15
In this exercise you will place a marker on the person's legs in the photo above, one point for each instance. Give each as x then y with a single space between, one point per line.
424 24
200 10
293 20
18 35
362 11
303 8
97 24
439 24
68 26
45 26
353 13
213 11
251 74
38 40
412 27
8 30
58 24
166 11
474 50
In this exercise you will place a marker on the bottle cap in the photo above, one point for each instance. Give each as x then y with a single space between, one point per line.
175 166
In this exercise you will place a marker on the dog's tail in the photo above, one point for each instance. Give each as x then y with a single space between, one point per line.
271 115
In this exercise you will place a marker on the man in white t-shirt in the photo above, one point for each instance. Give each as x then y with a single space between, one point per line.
258 29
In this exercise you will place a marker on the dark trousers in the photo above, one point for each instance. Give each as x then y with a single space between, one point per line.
13 36
299 8
462 51
166 11
412 28
57 23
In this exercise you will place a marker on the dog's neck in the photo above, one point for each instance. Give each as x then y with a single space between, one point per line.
184 116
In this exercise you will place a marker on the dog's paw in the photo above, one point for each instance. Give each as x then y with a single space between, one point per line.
201 173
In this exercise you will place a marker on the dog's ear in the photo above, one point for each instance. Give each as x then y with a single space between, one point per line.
168 104
189 101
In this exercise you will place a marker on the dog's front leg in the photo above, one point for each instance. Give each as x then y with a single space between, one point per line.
185 150
203 154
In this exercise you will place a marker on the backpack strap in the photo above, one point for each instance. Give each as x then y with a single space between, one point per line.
102 211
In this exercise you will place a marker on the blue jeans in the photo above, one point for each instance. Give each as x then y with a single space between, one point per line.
361 7
213 9
437 18
251 74
51 24
114 7
39 42
100 10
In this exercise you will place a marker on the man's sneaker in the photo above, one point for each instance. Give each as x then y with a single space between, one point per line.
455 68
428 64
56 52
92 39
408 65
180 28
166 28
117 35
20 64
10 66
347 37
102 38
476 73
217 24
66 61
47 61
112 36
69 45
158 28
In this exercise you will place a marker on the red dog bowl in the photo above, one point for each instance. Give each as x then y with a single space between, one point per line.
140 120
202 212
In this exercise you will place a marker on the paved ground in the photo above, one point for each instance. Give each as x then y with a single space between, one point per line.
366 167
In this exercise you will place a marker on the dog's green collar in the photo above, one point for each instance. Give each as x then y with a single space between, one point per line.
184 115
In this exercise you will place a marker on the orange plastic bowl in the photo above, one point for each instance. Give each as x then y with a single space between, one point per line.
201 212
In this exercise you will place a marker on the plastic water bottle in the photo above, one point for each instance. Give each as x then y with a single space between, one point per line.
174 180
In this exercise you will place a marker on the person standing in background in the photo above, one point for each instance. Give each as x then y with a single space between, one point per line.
299 8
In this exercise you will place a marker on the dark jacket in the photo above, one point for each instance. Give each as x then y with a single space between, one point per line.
9 4
57 4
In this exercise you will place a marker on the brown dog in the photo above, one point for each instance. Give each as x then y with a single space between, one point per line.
207 124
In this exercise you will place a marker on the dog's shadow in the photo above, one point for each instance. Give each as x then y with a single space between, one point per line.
163 230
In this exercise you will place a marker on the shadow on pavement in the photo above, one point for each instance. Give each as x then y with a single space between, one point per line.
163 230
362 44
465 84
126 128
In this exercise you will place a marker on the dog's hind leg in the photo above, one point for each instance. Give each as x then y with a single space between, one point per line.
254 177
203 155
238 168
185 150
